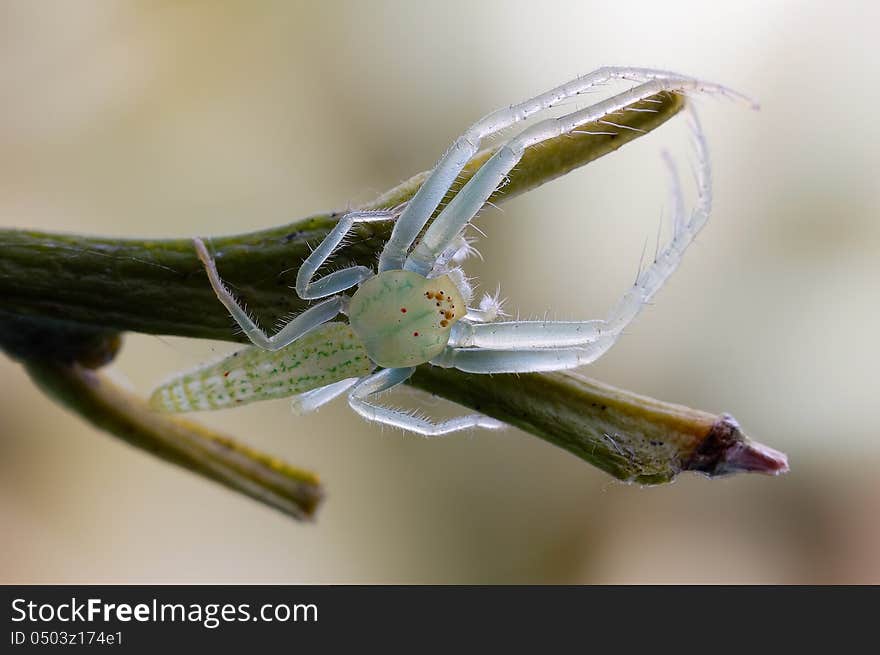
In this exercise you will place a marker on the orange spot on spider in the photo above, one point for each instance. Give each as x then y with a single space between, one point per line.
448 314
444 323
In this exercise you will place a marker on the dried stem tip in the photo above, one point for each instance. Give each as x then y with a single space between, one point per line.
727 450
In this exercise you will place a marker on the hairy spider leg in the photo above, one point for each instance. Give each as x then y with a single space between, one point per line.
312 400
391 377
536 360
431 193
471 198
309 289
311 318
676 197
522 346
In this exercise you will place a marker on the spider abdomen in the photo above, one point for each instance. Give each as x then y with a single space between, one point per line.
330 353
404 318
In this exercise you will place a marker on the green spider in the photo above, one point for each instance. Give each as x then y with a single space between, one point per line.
415 310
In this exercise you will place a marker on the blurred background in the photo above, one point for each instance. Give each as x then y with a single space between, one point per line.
179 118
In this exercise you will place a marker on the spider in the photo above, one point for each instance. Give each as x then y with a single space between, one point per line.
415 309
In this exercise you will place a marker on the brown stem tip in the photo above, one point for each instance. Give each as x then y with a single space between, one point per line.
726 450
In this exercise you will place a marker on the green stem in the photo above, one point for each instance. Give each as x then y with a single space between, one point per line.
177 440
632 437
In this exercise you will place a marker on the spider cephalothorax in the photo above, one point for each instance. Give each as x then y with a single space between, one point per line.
415 308
403 318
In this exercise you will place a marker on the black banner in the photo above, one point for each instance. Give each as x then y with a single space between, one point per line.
144 618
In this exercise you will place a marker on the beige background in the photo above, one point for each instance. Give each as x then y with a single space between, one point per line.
180 118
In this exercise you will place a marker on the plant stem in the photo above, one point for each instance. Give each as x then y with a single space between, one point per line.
179 441
632 437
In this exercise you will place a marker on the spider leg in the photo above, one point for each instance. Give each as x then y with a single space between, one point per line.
387 379
310 319
479 360
306 288
310 400
468 201
514 346
431 193
504 335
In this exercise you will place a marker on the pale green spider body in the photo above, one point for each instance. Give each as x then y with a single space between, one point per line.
404 318
324 356
414 309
